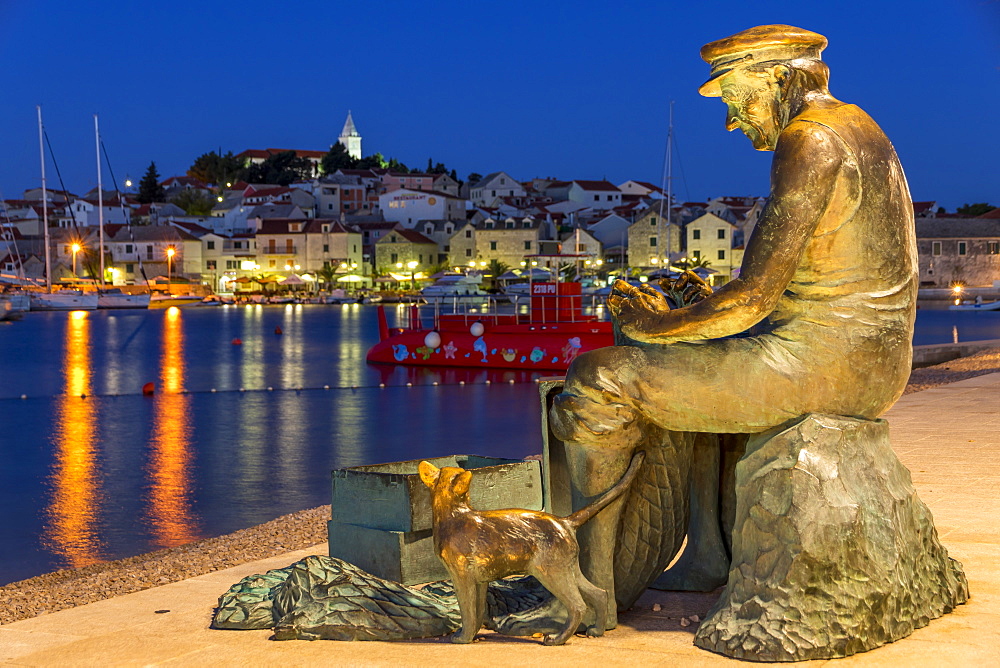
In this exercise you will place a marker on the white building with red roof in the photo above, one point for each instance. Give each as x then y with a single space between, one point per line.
408 206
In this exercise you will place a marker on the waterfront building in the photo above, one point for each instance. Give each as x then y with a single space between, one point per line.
507 240
716 241
651 242
402 246
963 251
141 248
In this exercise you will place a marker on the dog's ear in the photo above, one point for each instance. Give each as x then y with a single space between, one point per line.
462 482
429 473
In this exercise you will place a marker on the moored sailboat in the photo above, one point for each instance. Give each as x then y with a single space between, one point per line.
61 300
111 298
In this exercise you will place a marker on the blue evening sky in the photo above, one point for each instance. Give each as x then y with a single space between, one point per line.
576 90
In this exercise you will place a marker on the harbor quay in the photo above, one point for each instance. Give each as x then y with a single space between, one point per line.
948 436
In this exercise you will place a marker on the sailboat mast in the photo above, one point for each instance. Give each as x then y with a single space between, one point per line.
668 170
100 201
45 204
670 173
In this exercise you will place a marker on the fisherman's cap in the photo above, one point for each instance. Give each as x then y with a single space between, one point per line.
757 45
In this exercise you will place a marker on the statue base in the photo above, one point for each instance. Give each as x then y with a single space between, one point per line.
833 553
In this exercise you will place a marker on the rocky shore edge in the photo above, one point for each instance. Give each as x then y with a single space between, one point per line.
72 587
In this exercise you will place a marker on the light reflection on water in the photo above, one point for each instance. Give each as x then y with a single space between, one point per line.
169 510
72 513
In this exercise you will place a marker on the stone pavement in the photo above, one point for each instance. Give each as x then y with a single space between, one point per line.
949 437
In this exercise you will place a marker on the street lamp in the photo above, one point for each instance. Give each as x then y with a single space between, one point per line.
76 249
412 265
170 257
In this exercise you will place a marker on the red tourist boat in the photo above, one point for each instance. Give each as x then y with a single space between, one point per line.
547 338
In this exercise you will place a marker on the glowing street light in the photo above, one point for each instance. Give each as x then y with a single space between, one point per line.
170 256
76 249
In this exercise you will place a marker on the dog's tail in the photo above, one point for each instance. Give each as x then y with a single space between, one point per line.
581 516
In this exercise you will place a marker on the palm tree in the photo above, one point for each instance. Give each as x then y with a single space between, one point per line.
497 269
327 276
688 263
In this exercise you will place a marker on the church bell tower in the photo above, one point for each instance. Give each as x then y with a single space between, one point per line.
350 138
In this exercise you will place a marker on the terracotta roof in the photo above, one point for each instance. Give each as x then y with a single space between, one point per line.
923 207
183 180
597 185
995 213
958 228
281 225
412 236
270 192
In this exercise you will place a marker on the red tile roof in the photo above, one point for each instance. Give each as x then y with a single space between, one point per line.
597 185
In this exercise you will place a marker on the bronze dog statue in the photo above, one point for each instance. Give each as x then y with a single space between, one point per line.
478 547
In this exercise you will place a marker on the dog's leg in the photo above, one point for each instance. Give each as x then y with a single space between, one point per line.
597 599
563 586
465 592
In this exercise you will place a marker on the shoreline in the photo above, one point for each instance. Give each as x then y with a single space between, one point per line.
69 588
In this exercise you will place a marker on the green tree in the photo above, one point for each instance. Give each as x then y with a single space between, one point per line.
327 275
496 269
337 158
474 178
396 166
150 189
374 161
281 168
217 170
975 210
194 202
694 263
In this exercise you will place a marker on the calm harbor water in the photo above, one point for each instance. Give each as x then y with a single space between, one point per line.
92 470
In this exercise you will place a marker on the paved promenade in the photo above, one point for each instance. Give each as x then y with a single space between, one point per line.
949 437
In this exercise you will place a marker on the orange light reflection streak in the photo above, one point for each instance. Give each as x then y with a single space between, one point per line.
70 530
170 458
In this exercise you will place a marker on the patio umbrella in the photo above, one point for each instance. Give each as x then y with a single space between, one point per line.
294 279
243 280
351 278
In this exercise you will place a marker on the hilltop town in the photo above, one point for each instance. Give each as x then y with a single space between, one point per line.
336 217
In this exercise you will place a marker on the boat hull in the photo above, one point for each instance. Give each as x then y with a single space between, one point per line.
57 301
986 306
178 300
118 301
511 346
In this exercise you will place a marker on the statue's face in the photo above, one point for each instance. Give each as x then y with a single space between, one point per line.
753 101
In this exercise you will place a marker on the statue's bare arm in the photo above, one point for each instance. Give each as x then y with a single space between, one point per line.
808 161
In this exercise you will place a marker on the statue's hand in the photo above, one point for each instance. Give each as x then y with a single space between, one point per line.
636 310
